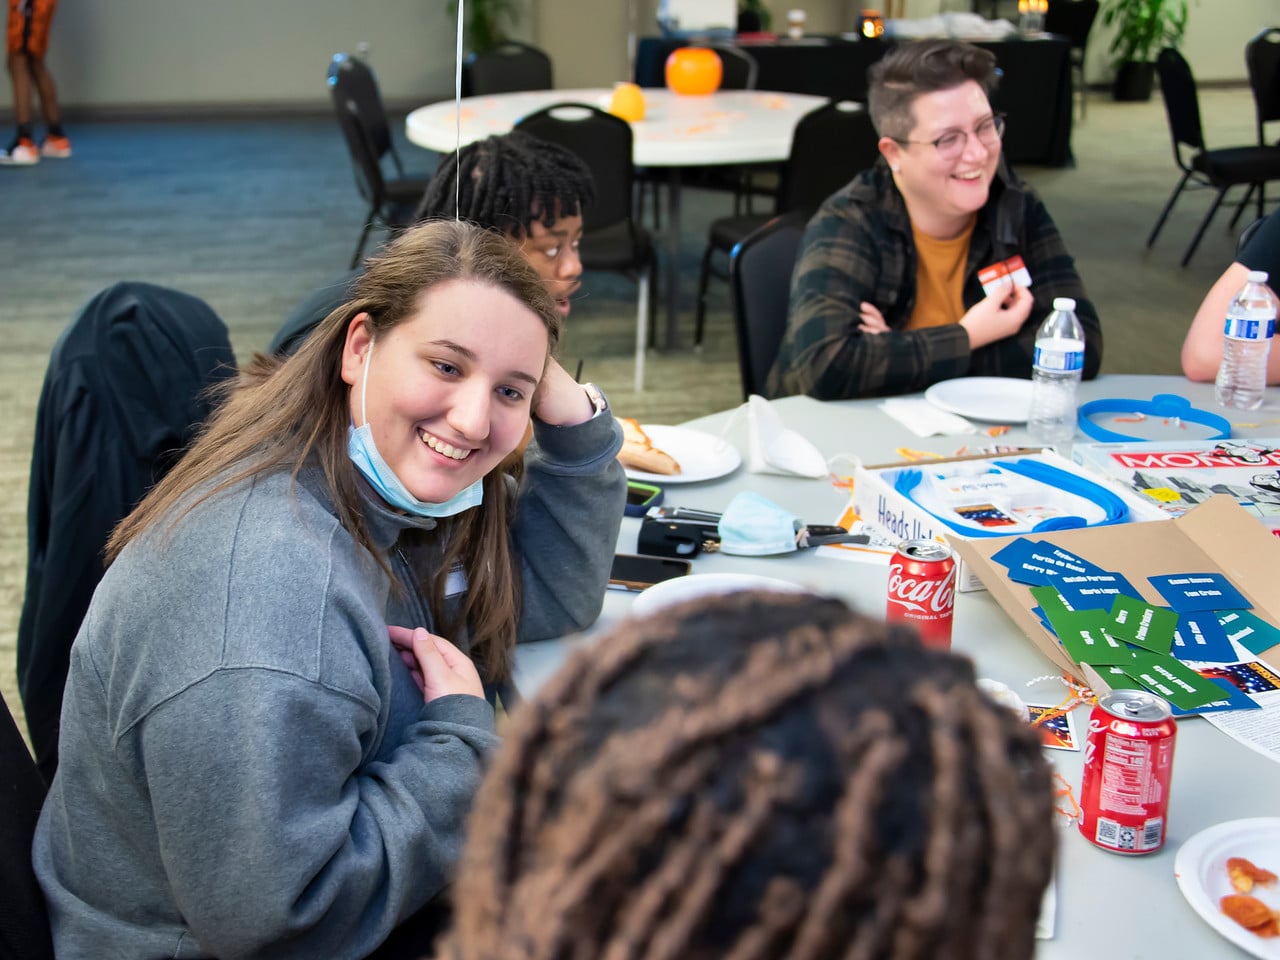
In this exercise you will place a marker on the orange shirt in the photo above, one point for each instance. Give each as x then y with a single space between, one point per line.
940 278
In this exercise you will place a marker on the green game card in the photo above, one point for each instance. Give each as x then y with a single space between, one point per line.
1175 681
1083 634
1052 603
1143 625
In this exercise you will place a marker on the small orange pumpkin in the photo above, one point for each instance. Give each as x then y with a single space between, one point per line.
694 71
627 102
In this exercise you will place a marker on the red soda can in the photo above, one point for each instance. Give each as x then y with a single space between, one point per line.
922 589
1128 763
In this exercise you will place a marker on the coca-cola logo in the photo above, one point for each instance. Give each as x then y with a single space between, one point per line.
922 595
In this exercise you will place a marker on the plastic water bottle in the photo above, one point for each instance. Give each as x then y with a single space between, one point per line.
1246 341
1059 365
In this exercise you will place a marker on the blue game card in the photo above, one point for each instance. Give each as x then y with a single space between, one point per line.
1251 632
1199 591
1093 591
1200 636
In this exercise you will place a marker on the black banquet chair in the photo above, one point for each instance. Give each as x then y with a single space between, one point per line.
358 106
24 922
1221 168
1262 60
506 68
126 390
831 144
760 269
611 240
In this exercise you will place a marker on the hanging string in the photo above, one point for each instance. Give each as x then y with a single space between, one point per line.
457 117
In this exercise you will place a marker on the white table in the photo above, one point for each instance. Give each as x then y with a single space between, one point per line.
1108 905
726 127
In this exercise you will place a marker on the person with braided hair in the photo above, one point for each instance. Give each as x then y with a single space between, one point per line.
758 776
530 189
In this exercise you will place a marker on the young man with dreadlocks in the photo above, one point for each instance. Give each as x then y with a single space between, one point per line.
759 776
888 294
530 190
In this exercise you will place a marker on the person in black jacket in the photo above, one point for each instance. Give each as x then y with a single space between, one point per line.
124 393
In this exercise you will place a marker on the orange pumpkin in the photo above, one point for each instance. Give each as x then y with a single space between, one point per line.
627 102
694 71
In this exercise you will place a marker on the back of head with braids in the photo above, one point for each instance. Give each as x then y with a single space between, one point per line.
759 776
507 183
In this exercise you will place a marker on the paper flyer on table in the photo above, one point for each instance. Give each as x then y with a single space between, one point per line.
1258 730
879 547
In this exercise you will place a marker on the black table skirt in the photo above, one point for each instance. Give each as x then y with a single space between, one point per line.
1035 89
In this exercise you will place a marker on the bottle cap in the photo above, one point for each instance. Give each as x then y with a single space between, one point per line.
1063 303
1257 276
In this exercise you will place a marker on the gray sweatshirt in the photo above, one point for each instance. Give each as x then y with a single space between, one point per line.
246 766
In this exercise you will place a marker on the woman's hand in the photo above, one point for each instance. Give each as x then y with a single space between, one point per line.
870 319
997 316
437 666
560 400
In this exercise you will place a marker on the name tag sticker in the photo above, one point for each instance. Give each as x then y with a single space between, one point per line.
1003 276
1199 591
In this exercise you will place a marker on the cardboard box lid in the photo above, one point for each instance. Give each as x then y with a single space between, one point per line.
1218 535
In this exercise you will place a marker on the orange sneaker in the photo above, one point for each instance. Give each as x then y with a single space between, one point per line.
21 153
55 147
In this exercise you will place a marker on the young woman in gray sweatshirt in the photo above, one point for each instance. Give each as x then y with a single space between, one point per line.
269 747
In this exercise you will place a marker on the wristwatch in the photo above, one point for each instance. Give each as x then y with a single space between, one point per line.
598 402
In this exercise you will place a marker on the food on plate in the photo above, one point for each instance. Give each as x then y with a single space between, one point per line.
1251 913
639 453
1244 875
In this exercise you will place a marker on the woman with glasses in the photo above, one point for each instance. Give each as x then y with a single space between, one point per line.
887 296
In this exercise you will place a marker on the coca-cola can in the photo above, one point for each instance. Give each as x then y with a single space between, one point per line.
1128 763
922 589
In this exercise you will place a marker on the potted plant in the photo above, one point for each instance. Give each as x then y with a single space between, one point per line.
754 16
1143 28
487 21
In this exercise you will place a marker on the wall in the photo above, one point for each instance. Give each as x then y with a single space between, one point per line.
153 54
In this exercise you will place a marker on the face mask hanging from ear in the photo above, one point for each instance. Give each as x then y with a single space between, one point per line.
364 454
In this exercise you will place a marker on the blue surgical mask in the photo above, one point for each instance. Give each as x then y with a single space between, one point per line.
364 454
753 526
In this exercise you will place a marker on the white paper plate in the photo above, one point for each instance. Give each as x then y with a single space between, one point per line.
702 456
1201 871
705 584
996 399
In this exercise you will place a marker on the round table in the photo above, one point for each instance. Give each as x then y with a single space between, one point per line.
725 127
1120 906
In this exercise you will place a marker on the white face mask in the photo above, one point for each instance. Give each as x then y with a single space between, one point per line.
364 454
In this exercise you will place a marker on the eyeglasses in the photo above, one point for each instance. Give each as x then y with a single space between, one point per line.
951 145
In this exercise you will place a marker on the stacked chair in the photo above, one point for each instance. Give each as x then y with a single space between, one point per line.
831 144
506 68
363 120
1220 168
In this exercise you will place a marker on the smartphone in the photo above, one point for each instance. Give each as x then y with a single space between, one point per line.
633 572
641 496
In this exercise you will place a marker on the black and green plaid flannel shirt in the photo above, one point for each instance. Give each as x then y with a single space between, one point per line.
859 247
